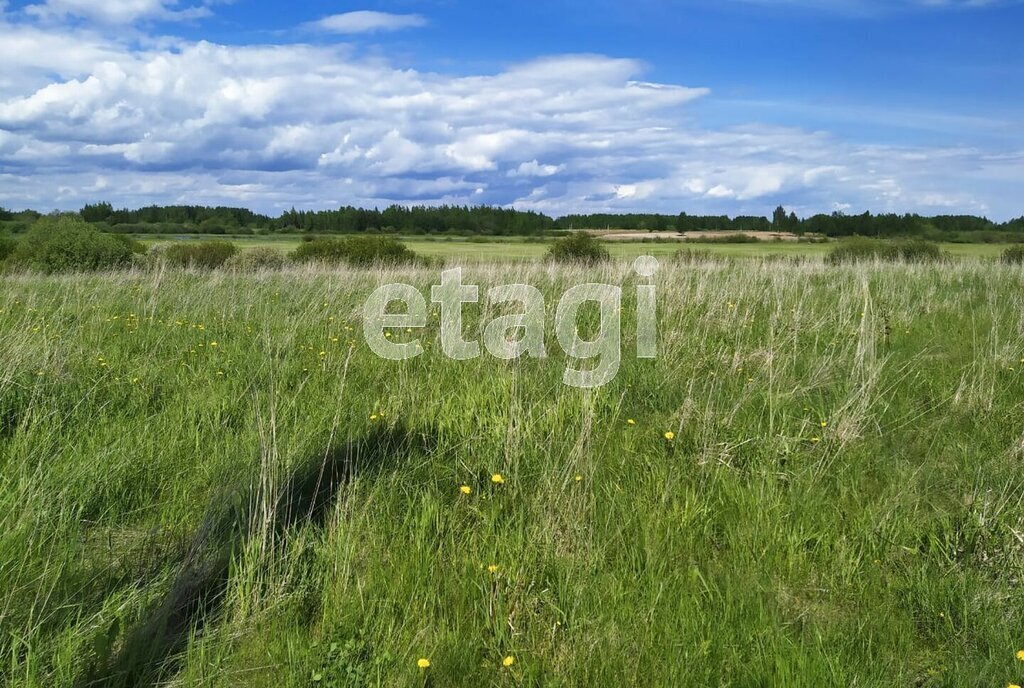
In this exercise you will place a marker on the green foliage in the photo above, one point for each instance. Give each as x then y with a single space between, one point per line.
98 212
491 221
354 250
865 249
838 505
688 256
919 251
201 254
191 216
256 259
416 220
860 249
732 238
347 664
65 243
7 246
578 247
1014 255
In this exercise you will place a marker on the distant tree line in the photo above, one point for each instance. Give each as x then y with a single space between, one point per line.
417 220
940 227
216 220
492 221
665 223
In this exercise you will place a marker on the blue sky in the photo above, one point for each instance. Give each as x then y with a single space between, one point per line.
724 106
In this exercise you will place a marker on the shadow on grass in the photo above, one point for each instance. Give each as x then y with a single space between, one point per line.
148 651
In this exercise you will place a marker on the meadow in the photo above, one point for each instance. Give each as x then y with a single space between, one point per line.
492 249
817 482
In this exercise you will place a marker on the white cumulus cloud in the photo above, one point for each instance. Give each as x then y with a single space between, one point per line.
368 21
272 126
117 11
535 169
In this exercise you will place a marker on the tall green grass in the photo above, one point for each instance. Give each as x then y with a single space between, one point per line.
840 502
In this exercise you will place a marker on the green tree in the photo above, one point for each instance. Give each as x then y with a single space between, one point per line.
779 219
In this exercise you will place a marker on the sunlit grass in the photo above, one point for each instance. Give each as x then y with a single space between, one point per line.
518 249
817 482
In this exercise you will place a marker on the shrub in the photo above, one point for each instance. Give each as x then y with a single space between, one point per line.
919 251
1014 255
66 243
861 248
256 259
578 247
857 249
725 238
7 246
688 256
355 250
200 254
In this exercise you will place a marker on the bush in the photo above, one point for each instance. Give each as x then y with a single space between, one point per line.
66 243
7 246
355 250
200 254
726 238
862 248
688 256
919 251
1014 255
256 259
578 247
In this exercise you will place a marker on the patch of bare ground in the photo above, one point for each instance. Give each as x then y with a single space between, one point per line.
638 235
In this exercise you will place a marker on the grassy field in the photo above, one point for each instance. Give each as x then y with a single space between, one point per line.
209 479
512 248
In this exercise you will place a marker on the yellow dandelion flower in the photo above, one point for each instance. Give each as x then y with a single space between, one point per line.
423 663
824 423
1020 655
466 489
493 568
373 417
1013 685
630 422
815 439
214 344
670 436
579 478
498 479
508 661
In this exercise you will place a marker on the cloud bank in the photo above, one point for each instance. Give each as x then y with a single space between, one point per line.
116 11
84 117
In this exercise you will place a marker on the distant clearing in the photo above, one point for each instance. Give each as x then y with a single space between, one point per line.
636 235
